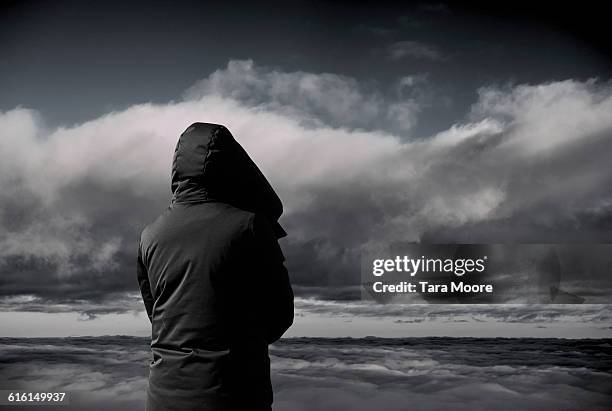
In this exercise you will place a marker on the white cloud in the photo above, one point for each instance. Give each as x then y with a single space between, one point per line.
314 99
414 49
551 116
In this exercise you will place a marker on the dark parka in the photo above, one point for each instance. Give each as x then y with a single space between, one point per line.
213 281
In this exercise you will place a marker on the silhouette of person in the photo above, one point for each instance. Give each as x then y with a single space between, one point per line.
213 281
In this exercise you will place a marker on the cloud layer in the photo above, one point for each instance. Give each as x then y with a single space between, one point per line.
530 163
109 373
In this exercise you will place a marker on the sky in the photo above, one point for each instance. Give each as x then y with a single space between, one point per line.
431 122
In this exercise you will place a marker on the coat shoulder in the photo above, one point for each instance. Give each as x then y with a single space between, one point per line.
216 216
145 232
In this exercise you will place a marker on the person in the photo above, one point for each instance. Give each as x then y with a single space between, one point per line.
213 279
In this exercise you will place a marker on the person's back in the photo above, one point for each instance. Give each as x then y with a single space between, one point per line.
213 281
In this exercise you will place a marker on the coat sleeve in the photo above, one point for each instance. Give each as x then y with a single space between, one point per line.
145 287
276 288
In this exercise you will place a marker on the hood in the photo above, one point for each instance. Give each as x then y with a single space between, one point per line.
209 164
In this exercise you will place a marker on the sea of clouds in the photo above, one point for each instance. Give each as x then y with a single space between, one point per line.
311 374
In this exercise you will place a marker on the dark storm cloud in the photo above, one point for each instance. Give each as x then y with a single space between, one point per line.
503 313
75 253
105 373
75 198
88 306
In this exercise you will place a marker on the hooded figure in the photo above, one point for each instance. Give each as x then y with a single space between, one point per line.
213 281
